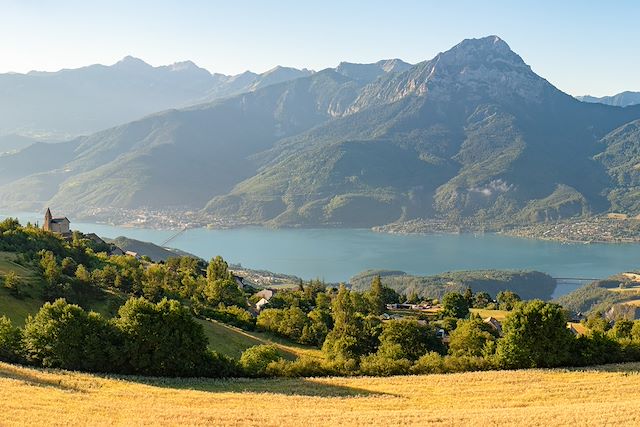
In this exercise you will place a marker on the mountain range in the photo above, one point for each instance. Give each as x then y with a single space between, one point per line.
71 102
623 99
473 132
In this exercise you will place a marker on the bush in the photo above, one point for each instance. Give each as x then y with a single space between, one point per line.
10 342
433 363
232 315
384 366
254 360
218 365
301 367
430 363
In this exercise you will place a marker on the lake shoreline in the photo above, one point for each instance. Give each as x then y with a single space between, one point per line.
336 255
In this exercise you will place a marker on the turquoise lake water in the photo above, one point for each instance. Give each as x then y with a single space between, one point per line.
337 254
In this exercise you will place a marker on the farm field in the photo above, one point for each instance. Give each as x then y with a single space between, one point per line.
597 396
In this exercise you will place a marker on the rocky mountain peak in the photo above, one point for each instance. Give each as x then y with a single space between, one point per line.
131 63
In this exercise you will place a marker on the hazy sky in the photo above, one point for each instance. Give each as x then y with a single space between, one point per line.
580 46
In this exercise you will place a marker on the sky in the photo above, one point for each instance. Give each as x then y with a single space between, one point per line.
582 47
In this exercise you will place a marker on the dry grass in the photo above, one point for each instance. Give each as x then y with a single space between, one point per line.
605 396
496 314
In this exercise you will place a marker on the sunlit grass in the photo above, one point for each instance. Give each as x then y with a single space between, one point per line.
599 396
233 341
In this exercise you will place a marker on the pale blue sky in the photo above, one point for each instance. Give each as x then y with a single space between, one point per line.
580 46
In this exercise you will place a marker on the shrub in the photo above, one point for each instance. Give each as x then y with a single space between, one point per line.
430 363
301 367
232 315
216 364
254 360
384 366
433 363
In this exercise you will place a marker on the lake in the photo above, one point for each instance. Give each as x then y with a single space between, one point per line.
337 254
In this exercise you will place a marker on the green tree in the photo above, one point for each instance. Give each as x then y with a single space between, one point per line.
535 335
507 300
472 337
635 331
224 291
481 299
622 329
218 269
10 341
597 322
468 296
376 296
63 335
162 339
354 334
455 305
407 339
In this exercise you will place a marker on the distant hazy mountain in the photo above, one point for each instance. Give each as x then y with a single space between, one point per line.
473 132
89 99
622 99
14 142
370 72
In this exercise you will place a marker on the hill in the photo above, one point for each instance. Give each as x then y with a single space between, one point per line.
597 396
471 134
527 284
155 252
610 295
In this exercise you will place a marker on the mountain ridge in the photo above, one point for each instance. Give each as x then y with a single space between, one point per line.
472 133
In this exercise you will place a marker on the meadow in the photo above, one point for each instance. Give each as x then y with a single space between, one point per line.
596 396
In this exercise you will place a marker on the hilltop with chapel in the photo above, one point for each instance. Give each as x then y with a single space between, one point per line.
56 225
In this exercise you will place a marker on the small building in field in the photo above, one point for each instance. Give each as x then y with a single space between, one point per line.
56 225
260 304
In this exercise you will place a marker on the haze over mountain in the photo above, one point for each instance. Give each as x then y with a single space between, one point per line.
472 132
622 99
93 98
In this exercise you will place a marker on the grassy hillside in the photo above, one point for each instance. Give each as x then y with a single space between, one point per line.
18 308
233 341
598 396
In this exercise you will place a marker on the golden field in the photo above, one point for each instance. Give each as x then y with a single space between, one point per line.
598 396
